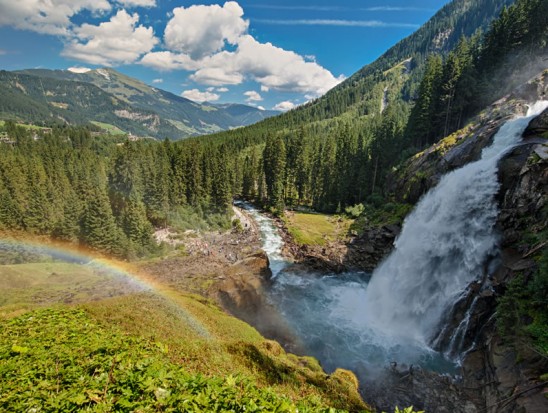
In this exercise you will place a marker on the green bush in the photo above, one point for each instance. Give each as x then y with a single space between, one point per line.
62 361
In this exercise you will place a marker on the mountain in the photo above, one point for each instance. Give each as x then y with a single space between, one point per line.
47 100
246 115
339 149
397 73
119 100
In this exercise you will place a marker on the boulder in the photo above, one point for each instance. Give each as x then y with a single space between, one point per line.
538 126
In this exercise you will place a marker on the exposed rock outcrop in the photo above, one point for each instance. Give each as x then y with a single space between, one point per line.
498 376
362 253
504 381
415 177
241 291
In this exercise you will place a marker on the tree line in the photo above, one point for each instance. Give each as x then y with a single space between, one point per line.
106 194
110 194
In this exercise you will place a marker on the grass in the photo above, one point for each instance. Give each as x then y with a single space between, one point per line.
182 126
62 359
27 286
111 129
315 229
23 125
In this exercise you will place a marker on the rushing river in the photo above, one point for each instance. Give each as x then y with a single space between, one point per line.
325 311
366 322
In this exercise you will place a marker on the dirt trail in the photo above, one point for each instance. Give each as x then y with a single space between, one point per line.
246 221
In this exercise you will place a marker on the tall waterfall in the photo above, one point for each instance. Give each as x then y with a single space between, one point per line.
443 246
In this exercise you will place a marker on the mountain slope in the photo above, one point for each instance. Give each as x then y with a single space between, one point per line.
48 100
362 93
187 117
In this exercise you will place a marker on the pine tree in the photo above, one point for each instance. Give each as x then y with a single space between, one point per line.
274 160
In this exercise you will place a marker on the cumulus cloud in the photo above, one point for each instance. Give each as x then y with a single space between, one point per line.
157 81
137 3
284 106
222 89
199 96
217 76
79 69
197 39
272 67
252 96
202 30
166 61
49 17
117 41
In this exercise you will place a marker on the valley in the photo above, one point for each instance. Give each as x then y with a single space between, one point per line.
379 246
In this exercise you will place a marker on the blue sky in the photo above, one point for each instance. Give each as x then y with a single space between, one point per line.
264 53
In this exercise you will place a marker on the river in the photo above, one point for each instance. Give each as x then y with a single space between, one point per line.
371 322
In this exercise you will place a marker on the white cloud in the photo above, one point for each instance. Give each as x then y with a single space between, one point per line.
202 30
198 96
137 3
166 61
157 81
46 16
222 89
335 22
197 39
79 69
217 76
252 96
279 69
261 108
284 106
272 67
118 41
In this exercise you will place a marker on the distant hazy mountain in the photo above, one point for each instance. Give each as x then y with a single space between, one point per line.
107 96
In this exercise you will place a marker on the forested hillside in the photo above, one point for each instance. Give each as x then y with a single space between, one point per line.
82 189
338 151
105 195
107 96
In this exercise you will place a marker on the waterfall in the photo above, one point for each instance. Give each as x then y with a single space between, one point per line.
443 247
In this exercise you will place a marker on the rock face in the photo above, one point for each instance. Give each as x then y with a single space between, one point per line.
241 292
497 377
362 253
425 169
504 381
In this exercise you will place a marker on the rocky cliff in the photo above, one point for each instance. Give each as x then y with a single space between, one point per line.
501 372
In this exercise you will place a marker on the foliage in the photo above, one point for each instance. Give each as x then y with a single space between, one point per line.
61 360
109 196
407 410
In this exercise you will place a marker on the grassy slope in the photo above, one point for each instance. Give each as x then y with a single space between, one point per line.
315 229
62 359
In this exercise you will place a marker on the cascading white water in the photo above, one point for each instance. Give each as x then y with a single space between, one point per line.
442 248
353 322
272 242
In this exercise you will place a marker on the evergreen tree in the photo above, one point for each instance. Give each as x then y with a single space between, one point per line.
274 159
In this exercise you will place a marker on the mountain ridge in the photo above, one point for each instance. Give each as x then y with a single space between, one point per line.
168 115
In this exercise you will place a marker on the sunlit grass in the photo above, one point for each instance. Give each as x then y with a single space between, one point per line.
316 229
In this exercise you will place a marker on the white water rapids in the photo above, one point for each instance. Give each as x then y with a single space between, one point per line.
354 320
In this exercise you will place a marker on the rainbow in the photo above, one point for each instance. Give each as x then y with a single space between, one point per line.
101 264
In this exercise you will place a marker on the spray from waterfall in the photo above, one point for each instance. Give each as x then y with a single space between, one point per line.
443 247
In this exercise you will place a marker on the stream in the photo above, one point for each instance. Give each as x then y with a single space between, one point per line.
325 311
391 319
